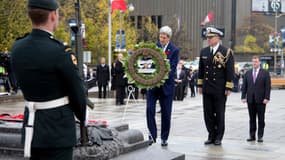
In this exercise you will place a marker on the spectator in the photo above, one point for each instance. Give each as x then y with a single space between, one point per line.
103 77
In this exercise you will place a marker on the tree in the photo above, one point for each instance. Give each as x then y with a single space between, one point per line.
149 31
255 28
180 38
14 22
250 46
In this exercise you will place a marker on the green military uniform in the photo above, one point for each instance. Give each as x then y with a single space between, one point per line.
215 76
45 71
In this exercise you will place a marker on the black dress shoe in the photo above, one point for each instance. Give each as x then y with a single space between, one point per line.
151 140
260 140
164 143
209 141
250 139
217 142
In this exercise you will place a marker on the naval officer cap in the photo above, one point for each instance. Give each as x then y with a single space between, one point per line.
166 30
44 4
212 31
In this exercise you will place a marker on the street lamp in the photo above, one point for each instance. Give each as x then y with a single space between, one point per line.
277 50
131 7
122 38
277 45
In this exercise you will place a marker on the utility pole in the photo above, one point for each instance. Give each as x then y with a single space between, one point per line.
78 38
79 54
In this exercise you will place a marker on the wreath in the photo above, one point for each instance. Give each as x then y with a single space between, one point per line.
147 66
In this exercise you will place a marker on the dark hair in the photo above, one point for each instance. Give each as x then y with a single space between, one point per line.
38 16
256 57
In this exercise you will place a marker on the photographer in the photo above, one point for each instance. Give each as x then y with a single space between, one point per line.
7 75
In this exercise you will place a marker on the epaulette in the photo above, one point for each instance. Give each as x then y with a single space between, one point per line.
25 35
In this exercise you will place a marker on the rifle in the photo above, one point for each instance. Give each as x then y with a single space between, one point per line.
78 41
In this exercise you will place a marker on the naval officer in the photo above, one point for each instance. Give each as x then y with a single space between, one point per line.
215 82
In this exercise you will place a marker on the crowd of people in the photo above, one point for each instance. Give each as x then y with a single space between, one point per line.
185 81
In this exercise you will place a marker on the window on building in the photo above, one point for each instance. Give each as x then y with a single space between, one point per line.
133 20
153 20
139 22
159 21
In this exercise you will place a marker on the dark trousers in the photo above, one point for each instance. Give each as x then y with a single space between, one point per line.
179 92
259 110
51 153
120 94
166 108
192 88
100 91
214 115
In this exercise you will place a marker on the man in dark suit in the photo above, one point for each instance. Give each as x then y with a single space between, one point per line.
103 77
53 90
215 81
120 80
192 77
256 92
180 78
164 93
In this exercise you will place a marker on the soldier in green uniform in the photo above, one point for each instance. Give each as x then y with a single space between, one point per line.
215 82
53 90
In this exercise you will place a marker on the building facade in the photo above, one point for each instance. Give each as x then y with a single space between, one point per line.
228 14
189 13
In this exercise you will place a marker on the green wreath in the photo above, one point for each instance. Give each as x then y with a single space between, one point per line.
155 75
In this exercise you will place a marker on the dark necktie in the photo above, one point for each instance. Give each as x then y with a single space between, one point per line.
211 53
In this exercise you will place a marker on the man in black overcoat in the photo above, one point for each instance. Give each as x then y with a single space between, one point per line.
103 77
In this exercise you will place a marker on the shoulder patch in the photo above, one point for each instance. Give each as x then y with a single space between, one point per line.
68 49
73 59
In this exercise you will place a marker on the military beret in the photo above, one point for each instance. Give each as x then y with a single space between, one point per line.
212 31
166 30
44 4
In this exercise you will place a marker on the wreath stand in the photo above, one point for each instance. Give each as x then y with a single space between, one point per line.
131 90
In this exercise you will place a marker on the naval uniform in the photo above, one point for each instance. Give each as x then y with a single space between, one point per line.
216 71
53 91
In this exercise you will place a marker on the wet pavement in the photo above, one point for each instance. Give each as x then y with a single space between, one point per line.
188 131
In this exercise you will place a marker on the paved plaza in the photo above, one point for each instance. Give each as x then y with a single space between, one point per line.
188 131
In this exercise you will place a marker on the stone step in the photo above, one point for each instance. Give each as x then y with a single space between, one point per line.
153 152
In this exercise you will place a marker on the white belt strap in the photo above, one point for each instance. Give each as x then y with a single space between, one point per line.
32 107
